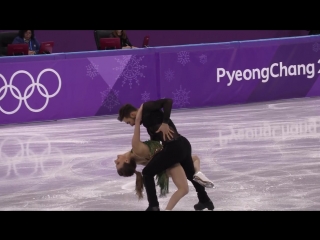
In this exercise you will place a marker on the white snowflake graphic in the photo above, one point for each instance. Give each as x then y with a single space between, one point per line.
130 69
316 47
183 57
110 98
92 70
180 97
145 96
203 59
169 75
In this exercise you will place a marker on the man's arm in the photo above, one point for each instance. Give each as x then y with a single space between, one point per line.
165 104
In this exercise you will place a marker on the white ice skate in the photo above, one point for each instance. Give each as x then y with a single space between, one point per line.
200 178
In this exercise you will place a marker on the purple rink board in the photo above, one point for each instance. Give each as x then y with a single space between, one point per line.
73 85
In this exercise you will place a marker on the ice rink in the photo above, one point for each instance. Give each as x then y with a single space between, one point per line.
260 156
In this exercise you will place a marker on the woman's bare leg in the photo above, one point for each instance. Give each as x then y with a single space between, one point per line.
196 163
179 178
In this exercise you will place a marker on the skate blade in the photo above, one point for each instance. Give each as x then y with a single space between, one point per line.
204 184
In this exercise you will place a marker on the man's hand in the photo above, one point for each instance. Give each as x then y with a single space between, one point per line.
166 131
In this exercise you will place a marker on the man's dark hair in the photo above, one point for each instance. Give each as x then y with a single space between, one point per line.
125 111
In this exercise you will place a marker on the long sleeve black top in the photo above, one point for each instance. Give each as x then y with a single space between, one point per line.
153 117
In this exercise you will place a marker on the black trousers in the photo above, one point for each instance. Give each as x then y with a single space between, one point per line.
176 151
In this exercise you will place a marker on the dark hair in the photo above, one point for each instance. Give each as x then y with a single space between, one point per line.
123 34
22 32
127 170
125 110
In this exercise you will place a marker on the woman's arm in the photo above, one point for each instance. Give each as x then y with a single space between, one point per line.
137 145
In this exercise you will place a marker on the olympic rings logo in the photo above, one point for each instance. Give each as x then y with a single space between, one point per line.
40 87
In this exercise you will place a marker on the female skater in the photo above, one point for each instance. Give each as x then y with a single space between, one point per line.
142 153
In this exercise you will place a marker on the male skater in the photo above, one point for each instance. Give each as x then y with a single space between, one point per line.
176 149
